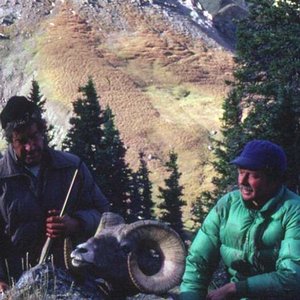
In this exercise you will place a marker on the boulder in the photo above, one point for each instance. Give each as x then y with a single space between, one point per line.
225 21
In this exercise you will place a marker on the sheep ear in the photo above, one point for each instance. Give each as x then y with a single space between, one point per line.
109 219
157 262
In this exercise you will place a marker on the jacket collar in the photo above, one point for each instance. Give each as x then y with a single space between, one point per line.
271 204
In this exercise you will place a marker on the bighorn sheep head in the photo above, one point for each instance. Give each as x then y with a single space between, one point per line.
146 256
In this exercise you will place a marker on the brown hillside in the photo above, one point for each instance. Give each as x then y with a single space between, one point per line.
165 88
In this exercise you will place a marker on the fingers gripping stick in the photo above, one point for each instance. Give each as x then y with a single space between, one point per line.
48 243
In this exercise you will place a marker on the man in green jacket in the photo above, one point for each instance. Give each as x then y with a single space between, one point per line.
254 230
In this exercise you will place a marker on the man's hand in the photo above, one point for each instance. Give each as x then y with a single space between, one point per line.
225 292
3 286
57 226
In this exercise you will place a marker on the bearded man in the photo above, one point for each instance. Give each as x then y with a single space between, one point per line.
34 182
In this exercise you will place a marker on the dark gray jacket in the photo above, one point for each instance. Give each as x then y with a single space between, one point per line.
25 200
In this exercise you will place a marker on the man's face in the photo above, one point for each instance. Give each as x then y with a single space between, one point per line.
255 186
28 145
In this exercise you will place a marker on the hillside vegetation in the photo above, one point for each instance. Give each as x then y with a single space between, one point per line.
165 86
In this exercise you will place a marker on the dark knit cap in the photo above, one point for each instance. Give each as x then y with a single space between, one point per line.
260 155
19 110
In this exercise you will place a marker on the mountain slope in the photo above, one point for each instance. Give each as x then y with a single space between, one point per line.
160 67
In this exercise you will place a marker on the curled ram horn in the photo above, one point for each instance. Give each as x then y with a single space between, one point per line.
109 219
145 256
156 264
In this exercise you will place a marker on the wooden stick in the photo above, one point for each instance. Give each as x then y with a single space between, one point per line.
49 241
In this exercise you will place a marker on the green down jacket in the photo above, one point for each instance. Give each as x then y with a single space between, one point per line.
260 248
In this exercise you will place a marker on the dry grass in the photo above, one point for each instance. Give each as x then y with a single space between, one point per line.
165 90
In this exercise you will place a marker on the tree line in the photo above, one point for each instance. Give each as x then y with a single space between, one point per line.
93 136
263 103
264 99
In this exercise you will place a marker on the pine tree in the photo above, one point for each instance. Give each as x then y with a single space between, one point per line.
36 97
233 140
84 138
171 196
114 171
95 139
269 62
224 150
145 189
135 203
200 208
141 204
264 100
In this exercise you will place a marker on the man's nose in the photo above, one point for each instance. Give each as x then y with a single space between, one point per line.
243 179
29 146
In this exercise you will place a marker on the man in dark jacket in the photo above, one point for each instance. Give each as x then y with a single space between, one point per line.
255 231
34 182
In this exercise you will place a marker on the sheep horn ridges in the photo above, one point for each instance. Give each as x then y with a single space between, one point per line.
68 248
166 243
109 219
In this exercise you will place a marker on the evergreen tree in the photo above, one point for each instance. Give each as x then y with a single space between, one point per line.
135 203
224 150
95 139
145 189
233 139
171 196
269 63
114 171
84 138
264 100
141 204
200 208
36 97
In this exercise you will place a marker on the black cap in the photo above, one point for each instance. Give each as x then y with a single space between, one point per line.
19 110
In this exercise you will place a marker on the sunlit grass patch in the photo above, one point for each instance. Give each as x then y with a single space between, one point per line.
184 104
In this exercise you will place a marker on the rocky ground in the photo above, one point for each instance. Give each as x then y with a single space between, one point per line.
45 282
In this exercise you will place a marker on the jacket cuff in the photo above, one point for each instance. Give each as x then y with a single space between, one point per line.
241 288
